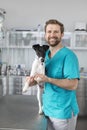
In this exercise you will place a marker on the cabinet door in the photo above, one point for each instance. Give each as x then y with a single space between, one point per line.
80 40
67 39
1 87
4 85
15 85
82 96
20 38
25 38
3 51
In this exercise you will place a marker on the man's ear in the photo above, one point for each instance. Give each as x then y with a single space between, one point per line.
62 34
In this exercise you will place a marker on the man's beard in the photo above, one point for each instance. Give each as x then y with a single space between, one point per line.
57 41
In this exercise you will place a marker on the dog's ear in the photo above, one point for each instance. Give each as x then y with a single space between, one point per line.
46 47
36 46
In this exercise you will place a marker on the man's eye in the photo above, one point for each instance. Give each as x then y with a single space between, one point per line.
49 32
56 32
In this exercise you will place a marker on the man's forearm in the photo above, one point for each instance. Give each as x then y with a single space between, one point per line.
70 84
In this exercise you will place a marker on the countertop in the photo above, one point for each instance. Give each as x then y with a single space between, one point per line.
20 112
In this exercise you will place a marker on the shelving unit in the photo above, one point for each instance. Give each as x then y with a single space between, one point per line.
19 44
16 50
17 47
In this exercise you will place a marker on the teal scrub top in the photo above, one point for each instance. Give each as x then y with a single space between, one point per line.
59 102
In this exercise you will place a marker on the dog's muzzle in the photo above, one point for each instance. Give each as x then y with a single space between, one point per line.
42 59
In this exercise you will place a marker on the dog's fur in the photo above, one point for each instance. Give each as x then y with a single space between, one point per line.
38 67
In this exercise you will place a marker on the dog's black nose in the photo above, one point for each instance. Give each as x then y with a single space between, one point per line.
42 59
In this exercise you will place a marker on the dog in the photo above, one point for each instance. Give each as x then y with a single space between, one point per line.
38 66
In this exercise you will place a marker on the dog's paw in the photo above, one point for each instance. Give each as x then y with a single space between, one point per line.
40 112
38 80
25 87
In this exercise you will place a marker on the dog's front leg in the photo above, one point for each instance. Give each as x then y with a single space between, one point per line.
33 71
25 87
39 98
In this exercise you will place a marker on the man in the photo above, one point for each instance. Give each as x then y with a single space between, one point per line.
60 82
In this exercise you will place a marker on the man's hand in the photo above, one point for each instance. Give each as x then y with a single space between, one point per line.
43 78
31 81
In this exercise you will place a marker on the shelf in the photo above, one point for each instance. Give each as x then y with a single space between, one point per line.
80 48
20 47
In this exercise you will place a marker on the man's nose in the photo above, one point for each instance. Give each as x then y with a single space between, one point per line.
52 34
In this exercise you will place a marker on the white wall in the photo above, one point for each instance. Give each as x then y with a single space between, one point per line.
30 13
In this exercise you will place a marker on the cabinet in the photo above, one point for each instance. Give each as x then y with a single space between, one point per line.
82 96
75 40
24 39
80 40
16 48
13 84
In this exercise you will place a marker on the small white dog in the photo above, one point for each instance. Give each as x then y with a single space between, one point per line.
38 67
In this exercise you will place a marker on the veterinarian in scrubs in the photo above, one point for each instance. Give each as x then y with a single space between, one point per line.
61 80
